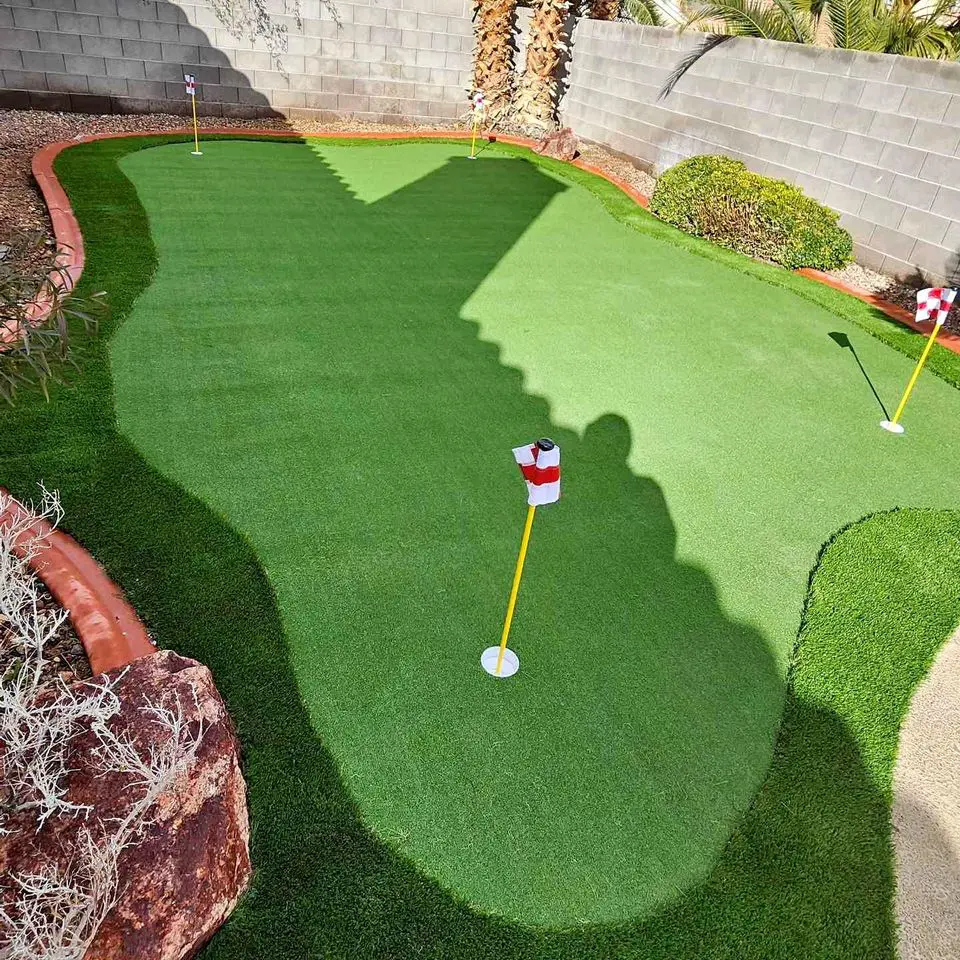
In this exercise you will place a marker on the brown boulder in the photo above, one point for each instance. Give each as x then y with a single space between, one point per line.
184 875
561 145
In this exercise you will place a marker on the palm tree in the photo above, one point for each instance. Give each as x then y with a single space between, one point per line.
906 27
493 56
535 104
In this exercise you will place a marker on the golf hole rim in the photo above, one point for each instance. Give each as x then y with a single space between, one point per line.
488 660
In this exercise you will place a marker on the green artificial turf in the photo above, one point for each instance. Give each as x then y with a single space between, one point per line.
355 441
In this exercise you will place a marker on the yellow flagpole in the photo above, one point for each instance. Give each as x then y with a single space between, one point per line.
473 142
518 573
916 373
196 135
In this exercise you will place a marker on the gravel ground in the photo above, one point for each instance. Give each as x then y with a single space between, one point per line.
900 292
619 166
65 656
23 132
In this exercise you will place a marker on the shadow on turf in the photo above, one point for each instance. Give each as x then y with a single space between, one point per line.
843 341
667 705
795 875
802 870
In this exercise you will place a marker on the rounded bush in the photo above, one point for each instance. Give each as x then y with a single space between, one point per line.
720 199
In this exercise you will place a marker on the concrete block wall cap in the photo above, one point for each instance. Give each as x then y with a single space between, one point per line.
108 627
67 230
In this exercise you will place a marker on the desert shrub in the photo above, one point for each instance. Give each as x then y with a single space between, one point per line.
36 354
720 199
52 910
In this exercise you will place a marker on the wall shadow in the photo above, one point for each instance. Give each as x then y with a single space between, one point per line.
803 868
222 90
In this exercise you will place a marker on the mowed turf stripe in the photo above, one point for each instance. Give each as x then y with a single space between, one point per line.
327 890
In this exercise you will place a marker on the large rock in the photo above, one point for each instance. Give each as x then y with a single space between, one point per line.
561 145
181 880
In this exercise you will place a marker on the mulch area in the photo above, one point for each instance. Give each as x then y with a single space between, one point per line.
66 659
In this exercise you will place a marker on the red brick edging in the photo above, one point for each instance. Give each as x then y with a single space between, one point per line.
108 627
946 339
70 240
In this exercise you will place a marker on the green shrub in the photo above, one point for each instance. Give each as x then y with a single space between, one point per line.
720 199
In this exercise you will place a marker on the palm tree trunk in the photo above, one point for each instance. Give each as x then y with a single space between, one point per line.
493 55
604 9
537 94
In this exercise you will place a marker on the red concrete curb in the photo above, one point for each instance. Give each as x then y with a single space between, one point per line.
108 627
946 339
67 230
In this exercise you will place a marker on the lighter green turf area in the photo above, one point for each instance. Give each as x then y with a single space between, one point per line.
337 350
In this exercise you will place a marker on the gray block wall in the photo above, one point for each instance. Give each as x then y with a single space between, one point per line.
875 137
390 59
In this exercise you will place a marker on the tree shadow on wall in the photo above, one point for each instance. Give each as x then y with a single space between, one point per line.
145 66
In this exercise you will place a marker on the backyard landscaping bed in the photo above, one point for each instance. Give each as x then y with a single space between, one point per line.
726 763
66 659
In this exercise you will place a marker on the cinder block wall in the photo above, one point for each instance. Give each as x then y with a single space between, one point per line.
389 59
875 137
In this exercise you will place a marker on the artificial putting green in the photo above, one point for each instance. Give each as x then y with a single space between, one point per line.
337 351
345 408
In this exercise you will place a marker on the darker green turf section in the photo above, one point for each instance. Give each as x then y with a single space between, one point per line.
807 874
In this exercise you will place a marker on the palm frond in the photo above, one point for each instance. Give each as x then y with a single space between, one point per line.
798 21
646 12
708 44
746 18
850 23
900 29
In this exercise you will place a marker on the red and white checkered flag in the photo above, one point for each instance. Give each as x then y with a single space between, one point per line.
934 304
540 465
191 83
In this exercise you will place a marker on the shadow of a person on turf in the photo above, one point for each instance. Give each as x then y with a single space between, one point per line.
673 703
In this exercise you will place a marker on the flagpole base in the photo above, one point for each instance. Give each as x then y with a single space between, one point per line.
471 157
196 153
891 426
510 665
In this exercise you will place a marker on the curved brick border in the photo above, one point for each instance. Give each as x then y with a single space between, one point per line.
108 627
70 240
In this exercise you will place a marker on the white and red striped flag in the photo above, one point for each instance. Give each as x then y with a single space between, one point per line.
540 465
934 304
191 83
